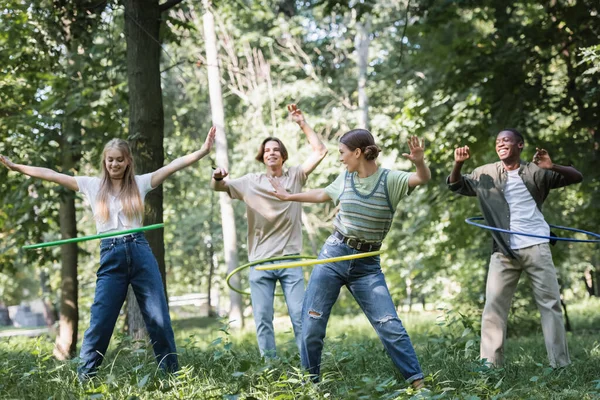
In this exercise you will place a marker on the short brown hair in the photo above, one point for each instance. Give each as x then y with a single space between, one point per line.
261 149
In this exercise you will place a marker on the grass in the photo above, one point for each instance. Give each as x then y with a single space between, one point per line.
219 364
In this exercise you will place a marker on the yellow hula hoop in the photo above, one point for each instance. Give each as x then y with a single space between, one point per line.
250 264
321 261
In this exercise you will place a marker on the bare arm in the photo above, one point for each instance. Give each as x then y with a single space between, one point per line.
42 173
319 151
312 196
542 160
416 156
163 173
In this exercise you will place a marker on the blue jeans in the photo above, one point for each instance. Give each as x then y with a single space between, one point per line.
364 279
123 261
262 289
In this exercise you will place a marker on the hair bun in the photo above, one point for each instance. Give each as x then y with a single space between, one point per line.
372 151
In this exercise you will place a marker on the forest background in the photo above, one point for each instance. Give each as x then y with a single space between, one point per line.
76 74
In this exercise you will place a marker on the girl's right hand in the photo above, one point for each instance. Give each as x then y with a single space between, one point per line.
462 154
9 164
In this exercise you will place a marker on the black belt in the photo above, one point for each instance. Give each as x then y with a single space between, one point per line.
357 244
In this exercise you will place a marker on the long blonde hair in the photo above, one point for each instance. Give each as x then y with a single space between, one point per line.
133 207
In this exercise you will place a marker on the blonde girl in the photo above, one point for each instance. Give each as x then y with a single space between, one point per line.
117 202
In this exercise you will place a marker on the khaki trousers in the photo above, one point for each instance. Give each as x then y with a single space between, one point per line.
502 280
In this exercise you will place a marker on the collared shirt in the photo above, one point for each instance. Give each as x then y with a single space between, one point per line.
117 221
488 183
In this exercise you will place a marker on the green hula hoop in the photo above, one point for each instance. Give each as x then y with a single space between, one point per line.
250 264
92 237
320 261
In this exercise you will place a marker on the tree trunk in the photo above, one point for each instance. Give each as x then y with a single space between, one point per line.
50 315
211 255
66 341
146 125
361 44
218 118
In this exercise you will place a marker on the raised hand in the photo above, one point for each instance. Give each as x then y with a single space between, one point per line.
220 173
296 114
462 154
541 158
279 191
9 164
210 139
417 149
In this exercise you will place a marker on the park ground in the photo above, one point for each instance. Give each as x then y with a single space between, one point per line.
220 363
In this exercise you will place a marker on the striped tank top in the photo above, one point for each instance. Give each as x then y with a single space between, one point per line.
365 217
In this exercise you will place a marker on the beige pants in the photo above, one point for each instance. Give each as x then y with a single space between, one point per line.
502 281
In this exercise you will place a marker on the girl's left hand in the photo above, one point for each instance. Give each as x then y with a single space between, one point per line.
279 191
417 149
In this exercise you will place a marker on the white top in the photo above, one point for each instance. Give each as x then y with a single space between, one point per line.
524 215
117 221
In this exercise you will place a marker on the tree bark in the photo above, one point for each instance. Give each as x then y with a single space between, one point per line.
146 124
50 315
218 117
66 341
361 44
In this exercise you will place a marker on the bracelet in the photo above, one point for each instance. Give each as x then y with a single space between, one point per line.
217 179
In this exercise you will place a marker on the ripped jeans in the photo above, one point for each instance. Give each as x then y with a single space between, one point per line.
364 279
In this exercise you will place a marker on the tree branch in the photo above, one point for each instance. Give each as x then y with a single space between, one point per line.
168 5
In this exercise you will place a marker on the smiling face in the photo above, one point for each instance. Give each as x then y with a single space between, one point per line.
115 163
349 157
272 156
508 146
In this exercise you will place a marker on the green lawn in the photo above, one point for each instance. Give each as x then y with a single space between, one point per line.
219 364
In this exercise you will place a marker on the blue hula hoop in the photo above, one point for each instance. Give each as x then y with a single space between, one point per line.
492 228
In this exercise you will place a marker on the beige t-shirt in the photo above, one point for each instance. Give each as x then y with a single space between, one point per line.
274 226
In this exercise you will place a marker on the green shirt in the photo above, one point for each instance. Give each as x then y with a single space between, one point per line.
397 185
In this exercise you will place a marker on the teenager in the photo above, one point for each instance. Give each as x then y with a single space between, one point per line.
367 196
274 228
510 194
117 202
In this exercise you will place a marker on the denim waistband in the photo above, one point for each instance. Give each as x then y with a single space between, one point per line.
122 239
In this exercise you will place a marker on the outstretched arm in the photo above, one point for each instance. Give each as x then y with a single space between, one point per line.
42 173
416 156
163 173
312 196
319 151
542 159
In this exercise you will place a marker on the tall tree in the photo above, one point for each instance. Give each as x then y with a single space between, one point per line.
218 116
146 124
361 43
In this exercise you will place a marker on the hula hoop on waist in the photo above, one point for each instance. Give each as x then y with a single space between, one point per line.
471 220
320 261
252 263
92 237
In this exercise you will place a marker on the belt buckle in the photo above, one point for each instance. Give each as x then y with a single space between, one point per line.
352 242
